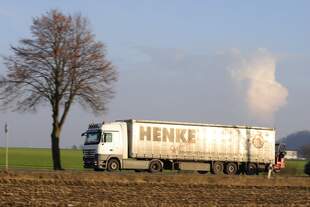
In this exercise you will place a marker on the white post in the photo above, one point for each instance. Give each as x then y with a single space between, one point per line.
269 171
7 147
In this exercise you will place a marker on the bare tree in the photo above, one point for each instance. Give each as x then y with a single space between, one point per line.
61 64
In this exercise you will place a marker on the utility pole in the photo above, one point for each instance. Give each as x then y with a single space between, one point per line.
7 147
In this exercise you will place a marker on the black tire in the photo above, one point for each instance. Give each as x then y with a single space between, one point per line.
217 168
113 165
155 166
251 169
231 168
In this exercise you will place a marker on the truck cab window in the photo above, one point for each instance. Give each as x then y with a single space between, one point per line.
107 137
92 137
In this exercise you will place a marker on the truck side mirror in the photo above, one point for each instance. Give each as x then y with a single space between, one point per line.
83 134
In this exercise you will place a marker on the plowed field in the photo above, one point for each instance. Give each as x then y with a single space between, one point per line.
143 189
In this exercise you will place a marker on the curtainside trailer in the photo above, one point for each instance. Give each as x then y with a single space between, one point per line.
157 145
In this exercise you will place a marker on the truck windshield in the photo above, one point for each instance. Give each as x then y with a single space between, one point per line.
93 137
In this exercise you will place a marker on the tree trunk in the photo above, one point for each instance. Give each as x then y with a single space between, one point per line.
55 147
55 137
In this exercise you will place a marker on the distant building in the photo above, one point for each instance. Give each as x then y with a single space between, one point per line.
291 155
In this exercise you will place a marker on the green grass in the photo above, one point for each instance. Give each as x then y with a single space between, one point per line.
40 158
294 167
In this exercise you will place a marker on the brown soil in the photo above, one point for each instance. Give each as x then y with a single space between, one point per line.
143 189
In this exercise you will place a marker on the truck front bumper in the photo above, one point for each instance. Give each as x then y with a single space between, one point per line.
88 162
100 161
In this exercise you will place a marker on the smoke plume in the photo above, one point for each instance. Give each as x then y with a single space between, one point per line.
264 95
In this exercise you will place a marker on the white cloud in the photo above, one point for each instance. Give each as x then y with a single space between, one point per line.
264 95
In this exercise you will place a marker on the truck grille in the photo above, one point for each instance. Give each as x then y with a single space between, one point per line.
89 153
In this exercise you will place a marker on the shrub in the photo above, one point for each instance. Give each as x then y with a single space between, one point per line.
307 168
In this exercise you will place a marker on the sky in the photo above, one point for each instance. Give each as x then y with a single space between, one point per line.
219 62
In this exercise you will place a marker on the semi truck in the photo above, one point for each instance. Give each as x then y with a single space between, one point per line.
145 145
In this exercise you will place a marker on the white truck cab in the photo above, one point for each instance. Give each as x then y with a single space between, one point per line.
103 142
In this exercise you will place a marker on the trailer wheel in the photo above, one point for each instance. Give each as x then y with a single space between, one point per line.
231 168
113 165
217 168
251 169
155 166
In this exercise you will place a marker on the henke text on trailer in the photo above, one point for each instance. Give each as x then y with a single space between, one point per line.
157 145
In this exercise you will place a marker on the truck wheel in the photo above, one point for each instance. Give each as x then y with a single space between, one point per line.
155 166
251 169
217 168
113 165
231 168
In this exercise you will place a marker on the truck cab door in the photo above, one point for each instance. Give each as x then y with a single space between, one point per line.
112 143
